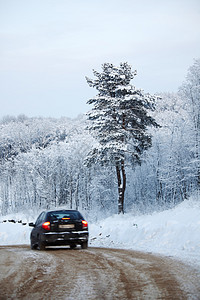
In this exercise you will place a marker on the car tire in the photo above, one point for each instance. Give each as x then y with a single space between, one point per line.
73 246
41 245
84 245
32 245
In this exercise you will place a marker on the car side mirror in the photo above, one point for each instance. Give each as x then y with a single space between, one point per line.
31 224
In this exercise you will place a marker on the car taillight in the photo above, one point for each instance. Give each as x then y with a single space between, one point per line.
84 224
46 225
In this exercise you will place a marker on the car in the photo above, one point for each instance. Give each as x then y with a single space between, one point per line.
58 228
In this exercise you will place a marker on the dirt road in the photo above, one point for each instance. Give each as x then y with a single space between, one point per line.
93 274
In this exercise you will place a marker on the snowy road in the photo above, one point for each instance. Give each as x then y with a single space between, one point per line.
95 273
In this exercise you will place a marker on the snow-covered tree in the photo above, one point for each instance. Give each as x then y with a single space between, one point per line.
190 90
119 121
171 151
41 163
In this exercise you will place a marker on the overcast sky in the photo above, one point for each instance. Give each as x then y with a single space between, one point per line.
47 47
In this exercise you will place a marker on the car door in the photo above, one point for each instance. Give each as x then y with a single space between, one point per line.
36 230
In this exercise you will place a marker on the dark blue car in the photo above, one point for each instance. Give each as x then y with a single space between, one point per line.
59 227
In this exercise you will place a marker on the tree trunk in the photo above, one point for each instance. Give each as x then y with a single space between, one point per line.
121 179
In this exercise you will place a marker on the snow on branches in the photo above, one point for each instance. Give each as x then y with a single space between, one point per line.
120 112
119 120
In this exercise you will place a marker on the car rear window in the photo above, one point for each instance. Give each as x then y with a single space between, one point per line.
61 215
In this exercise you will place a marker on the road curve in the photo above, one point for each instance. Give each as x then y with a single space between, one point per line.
96 273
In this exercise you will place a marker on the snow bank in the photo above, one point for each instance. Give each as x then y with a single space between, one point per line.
14 234
175 232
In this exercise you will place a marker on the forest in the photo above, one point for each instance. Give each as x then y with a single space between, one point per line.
43 160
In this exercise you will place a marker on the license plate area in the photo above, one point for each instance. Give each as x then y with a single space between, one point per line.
66 226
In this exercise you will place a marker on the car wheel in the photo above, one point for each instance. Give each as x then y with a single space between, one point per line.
84 245
41 246
33 247
73 246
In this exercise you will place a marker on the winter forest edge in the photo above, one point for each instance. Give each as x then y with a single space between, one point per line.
43 160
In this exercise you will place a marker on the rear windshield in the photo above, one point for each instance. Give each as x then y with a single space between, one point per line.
65 215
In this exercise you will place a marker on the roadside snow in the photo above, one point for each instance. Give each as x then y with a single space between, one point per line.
14 234
174 232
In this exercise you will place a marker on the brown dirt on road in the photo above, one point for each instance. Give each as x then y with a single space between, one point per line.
95 273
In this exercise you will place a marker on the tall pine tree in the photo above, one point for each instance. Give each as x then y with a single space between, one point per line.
119 120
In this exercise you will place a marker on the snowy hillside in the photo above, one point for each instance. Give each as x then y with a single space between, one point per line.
174 232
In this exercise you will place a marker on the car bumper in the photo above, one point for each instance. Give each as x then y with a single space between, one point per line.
64 238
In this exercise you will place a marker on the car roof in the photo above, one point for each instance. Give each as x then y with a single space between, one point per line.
62 210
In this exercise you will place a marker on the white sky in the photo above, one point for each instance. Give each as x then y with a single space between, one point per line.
48 47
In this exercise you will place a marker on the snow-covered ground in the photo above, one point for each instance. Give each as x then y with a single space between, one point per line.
174 232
